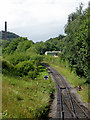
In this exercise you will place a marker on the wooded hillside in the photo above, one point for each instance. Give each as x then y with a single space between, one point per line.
10 35
74 46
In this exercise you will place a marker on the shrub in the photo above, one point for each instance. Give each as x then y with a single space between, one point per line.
37 59
18 57
24 67
23 46
7 65
32 74
10 49
8 68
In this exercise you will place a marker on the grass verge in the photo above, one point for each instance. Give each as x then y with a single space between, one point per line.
72 77
26 98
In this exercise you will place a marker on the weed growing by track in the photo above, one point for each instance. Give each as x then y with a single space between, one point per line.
26 98
75 80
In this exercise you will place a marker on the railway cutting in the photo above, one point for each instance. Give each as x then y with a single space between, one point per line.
66 104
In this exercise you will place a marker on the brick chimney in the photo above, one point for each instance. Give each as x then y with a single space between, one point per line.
5 30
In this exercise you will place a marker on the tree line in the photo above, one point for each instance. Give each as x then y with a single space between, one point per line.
74 46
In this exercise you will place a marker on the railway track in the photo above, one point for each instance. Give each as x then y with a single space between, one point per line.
67 105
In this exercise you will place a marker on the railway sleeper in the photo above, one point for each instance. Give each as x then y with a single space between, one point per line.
62 87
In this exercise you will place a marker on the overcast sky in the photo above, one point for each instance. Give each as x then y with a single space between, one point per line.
38 20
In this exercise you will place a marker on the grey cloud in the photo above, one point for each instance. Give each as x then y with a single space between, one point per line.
38 19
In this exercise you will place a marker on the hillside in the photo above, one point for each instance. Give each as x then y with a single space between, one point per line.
25 92
74 46
10 35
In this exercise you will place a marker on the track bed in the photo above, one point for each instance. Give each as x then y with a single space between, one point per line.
68 106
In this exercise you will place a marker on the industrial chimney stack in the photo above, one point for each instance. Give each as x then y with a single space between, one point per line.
5 30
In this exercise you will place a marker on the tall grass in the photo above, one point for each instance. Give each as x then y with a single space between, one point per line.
63 68
26 98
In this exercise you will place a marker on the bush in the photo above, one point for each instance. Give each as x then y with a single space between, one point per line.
7 65
32 74
18 57
8 68
36 58
23 46
24 67
10 49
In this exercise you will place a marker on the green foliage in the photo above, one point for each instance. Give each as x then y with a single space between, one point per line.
7 65
36 59
64 69
23 57
50 45
17 57
25 63
76 43
32 74
75 46
24 67
26 98
10 49
23 46
32 49
5 43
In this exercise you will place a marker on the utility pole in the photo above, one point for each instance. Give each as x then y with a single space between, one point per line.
5 30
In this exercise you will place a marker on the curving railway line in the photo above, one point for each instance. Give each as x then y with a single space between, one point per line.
67 105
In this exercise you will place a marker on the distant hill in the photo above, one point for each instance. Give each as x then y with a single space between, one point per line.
10 35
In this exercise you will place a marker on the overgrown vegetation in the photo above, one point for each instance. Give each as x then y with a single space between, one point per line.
23 83
26 98
25 92
77 42
74 46
64 69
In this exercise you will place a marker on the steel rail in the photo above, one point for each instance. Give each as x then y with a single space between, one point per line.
68 107
72 104
80 107
72 100
62 113
61 100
